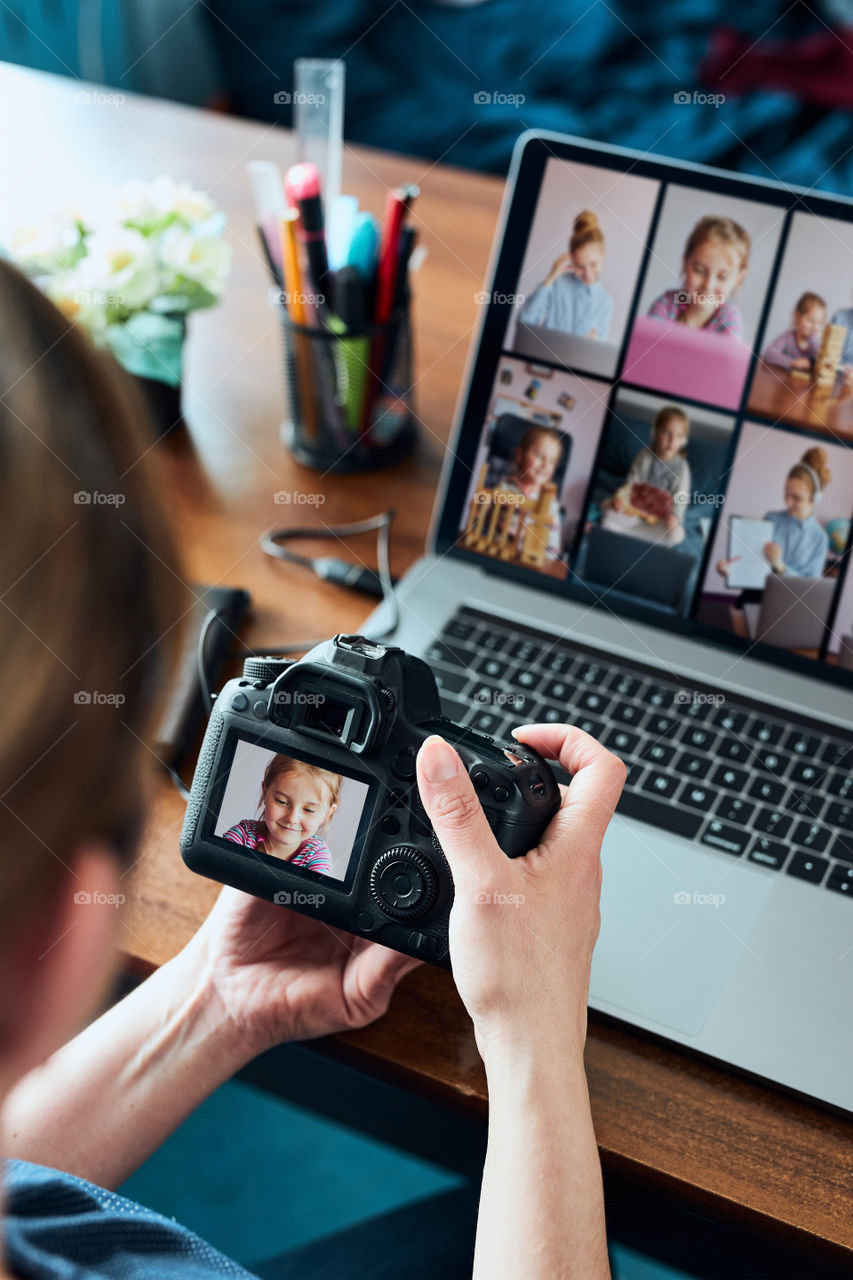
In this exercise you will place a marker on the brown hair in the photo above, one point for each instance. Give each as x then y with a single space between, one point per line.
90 603
813 460
665 415
537 430
808 300
586 230
324 779
721 231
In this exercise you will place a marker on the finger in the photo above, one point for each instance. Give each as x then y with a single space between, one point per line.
597 779
378 970
455 812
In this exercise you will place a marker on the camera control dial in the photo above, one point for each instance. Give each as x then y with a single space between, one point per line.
403 882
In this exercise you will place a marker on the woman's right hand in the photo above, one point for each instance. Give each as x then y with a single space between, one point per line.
561 266
522 930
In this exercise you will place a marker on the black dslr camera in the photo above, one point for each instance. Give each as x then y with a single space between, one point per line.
305 792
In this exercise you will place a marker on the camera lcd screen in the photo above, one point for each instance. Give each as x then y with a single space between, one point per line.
292 809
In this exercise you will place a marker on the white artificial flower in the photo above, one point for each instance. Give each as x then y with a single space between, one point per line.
152 201
202 259
45 249
121 263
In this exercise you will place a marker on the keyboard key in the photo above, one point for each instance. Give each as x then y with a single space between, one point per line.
770 762
636 769
458 629
703 739
839 784
804 804
772 822
768 853
695 709
450 681
485 722
657 696
843 847
492 668
840 815
550 714
841 880
807 867
592 700
524 651
628 713
658 753
803 744
623 743
558 661
767 733
559 690
734 809
837 753
811 836
693 766
625 686
453 708
731 721
735 750
525 678
767 789
591 673
589 725
725 775
595 728
660 784
640 805
455 655
661 725
725 838
486 693
697 796
807 772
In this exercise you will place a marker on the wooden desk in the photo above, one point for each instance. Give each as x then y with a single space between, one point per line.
661 1115
784 397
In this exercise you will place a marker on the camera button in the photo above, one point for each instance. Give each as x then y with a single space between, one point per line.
259 710
501 794
364 920
390 825
404 765
239 702
403 883
480 779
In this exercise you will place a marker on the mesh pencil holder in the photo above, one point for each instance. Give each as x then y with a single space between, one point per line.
349 393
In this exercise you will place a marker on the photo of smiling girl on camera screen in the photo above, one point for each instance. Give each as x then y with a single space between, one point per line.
297 800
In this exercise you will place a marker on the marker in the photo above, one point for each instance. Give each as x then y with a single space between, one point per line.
397 206
363 245
302 188
343 213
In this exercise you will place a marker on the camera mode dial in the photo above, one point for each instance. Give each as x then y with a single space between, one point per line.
403 882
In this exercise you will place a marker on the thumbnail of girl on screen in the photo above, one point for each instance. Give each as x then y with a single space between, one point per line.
571 298
297 799
800 543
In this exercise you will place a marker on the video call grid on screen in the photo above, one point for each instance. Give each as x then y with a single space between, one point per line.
591 403
242 807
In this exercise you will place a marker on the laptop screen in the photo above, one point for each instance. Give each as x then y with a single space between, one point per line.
659 415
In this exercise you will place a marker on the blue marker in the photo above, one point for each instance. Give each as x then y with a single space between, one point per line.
364 245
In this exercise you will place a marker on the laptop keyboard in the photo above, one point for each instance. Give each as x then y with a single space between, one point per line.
715 769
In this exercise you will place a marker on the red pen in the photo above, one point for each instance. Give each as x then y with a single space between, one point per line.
397 206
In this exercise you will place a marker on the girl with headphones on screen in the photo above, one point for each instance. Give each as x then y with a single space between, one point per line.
800 543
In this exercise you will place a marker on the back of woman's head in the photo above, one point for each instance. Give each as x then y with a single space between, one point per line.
89 593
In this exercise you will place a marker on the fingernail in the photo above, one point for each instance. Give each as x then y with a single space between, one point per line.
439 760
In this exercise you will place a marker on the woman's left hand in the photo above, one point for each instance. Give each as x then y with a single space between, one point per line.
280 975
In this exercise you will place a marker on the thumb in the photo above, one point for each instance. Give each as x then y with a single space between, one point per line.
455 812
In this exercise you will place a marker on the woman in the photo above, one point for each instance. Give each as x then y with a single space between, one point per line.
90 606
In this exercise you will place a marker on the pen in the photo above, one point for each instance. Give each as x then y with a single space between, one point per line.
351 354
401 288
302 188
397 206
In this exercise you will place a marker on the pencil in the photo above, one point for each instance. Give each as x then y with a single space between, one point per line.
295 301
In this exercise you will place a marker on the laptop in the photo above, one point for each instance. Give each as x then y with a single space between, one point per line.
727 901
